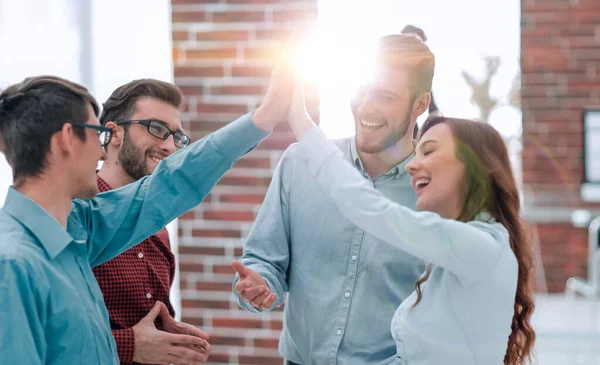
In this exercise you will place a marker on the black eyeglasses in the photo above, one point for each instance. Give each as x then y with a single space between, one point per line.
159 130
104 133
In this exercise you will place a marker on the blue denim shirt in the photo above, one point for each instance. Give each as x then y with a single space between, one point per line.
342 283
51 308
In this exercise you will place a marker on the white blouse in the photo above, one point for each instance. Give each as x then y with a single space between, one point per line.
466 312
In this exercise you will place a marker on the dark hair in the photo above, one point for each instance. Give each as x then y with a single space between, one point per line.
411 29
120 106
491 187
31 112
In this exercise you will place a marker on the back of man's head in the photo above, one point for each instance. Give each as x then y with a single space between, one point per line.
409 52
31 112
121 105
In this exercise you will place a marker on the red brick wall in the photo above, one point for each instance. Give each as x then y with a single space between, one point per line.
560 61
224 51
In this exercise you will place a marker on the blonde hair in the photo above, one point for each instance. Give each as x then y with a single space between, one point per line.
408 51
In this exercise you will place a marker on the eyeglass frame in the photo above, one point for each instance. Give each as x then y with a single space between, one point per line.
147 122
98 128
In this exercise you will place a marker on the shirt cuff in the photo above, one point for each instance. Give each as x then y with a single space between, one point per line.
239 137
315 147
125 340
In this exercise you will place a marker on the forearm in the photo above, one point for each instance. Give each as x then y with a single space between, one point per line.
467 249
121 218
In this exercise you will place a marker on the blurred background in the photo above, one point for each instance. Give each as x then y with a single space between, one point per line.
530 68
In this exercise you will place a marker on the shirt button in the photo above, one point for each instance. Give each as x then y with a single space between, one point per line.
353 257
339 332
149 296
141 255
347 295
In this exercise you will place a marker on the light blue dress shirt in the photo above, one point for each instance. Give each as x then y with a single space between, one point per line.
343 283
465 315
51 308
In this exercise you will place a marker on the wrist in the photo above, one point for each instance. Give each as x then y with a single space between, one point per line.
301 125
264 118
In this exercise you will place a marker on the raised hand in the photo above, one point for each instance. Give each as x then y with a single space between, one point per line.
298 117
183 347
252 288
275 105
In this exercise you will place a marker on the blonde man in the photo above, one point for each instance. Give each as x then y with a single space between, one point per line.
343 284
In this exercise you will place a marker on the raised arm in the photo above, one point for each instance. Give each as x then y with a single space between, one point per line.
119 219
469 250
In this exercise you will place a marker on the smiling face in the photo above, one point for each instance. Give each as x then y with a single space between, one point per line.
141 152
438 176
383 110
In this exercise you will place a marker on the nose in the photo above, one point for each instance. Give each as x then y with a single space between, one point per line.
168 145
413 166
365 106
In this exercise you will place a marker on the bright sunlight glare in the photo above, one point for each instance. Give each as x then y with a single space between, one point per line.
338 55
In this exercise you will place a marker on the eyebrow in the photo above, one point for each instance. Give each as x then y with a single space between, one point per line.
429 141
384 91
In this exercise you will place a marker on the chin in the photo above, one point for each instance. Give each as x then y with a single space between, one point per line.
88 193
423 206
369 146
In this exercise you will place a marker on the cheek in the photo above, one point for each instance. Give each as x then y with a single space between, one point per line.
454 180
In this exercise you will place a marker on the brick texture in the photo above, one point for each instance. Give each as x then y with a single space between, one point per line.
560 65
223 54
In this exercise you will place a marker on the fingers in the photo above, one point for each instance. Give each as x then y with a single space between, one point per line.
165 316
242 285
188 329
268 303
239 268
187 340
183 355
154 312
251 293
288 53
258 300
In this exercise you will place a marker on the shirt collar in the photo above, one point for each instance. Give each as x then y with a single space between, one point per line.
52 236
395 171
102 185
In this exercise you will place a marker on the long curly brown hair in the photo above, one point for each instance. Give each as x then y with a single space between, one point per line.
490 186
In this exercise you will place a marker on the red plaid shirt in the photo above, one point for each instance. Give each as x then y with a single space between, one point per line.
132 283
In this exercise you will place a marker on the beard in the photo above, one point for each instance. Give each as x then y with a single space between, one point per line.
375 144
133 159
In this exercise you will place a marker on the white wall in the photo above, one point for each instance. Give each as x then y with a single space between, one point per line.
99 43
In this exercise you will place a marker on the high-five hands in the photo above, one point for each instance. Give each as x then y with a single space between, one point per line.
298 117
275 105
252 288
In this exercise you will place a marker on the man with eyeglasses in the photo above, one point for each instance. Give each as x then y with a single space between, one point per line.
144 116
54 229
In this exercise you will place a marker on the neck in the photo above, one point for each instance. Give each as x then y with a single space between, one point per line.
383 161
49 193
113 174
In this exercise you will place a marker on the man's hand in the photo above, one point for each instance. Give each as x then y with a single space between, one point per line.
252 287
275 105
182 347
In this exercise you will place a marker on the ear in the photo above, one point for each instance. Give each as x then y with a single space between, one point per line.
62 142
421 104
117 136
